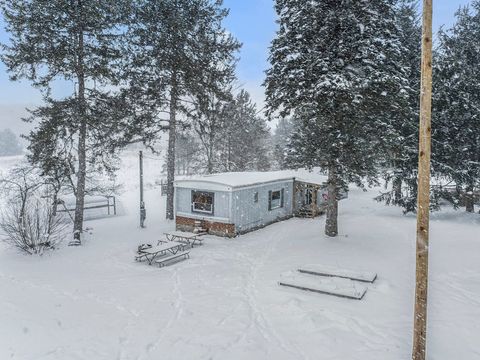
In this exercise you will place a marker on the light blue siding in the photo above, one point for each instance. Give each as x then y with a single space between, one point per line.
183 203
239 206
248 214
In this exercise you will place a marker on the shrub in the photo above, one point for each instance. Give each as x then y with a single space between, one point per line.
28 220
32 227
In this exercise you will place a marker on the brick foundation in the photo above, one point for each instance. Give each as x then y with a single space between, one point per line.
214 228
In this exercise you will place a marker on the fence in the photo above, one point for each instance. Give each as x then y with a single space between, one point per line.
92 203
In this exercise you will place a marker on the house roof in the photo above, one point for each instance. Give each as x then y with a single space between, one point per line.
231 180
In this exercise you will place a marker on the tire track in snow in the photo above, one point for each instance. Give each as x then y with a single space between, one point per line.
258 320
177 314
134 314
461 293
73 296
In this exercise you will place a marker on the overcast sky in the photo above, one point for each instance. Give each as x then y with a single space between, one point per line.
251 21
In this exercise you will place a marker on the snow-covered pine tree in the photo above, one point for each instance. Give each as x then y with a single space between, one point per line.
245 140
281 138
334 64
188 156
77 42
401 152
457 103
208 121
176 47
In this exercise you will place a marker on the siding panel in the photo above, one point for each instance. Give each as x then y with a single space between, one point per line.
183 203
248 214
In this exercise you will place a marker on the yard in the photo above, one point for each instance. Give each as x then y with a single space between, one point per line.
95 302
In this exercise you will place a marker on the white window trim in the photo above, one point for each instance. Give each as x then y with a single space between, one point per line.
279 206
194 210
202 211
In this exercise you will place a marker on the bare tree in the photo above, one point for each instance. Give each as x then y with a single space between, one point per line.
28 220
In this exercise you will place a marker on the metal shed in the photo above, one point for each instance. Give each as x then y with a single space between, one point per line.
228 204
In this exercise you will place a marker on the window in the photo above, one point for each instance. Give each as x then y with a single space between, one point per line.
255 197
275 199
202 202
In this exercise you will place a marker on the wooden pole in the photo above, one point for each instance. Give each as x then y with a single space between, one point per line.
423 200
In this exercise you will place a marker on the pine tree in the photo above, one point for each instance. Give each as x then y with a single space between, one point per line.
401 151
281 139
244 142
208 122
457 103
233 136
76 42
209 116
188 158
179 50
334 66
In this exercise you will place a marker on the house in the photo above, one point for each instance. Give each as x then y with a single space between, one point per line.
229 204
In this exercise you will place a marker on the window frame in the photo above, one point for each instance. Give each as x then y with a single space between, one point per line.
200 211
281 202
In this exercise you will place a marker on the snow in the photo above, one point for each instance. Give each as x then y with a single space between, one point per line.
249 178
96 302
321 270
328 286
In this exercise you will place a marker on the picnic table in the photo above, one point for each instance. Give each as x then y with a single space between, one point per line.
153 252
188 238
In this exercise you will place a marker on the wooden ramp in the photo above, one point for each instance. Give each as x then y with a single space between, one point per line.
340 288
320 270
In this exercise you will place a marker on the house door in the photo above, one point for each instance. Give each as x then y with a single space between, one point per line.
308 196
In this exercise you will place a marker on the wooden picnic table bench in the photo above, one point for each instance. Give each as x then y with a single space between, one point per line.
153 252
184 237
161 261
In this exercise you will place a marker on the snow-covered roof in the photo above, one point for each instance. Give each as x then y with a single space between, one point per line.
232 180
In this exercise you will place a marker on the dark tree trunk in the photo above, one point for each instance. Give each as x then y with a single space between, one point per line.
55 201
397 190
210 156
82 165
210 166
172 135
229 153
469 199
331 224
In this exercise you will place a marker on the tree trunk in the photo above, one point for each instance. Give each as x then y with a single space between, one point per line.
210 157
211 140
172 135
331 224
229 153
55 201
82 163
397 190
470 199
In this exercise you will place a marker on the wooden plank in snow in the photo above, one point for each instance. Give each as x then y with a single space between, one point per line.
348 291
363 276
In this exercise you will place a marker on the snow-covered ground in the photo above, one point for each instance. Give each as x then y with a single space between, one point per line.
95 302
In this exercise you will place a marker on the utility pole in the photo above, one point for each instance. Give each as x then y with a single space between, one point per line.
423 200
143 211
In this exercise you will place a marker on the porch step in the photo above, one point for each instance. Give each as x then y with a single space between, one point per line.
199 227
306 213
